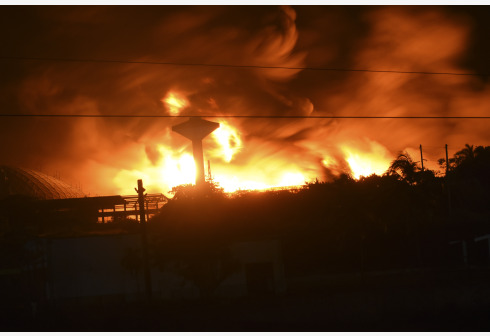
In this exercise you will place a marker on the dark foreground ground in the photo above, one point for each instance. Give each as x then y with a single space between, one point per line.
416 300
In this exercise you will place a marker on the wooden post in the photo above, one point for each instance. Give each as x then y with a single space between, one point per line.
447 186
447 161
144 239
421 158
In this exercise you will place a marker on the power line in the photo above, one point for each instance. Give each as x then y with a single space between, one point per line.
80 60
232 116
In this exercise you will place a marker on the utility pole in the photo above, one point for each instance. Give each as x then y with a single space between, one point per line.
447 186
421 158
447 162
144 239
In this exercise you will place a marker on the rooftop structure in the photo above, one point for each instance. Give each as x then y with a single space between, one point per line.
46 204
28 182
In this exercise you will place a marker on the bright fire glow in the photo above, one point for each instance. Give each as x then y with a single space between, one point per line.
175 166
175 102
173 169
228 140
365 163
291 179
249 180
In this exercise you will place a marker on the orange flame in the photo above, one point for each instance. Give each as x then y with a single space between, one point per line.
176 167
228 139
175 102
376 160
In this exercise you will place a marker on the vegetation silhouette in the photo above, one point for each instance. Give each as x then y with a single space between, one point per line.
396 220
468 179
190 238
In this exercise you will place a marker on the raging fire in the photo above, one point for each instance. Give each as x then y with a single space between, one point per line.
375 160
228 140
176 166
108 155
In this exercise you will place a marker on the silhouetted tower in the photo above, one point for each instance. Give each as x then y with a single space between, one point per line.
196 129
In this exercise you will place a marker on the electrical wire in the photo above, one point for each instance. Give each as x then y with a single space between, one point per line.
235 66
233 116
80 60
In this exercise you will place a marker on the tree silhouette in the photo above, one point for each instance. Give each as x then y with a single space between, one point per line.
390 221
405 168
191 238
470 179
209 189
465 154
469 162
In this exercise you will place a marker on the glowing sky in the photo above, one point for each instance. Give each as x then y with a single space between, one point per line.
104 154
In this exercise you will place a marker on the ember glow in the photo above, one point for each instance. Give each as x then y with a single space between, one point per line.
107 155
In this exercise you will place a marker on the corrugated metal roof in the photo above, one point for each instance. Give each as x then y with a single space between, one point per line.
28 182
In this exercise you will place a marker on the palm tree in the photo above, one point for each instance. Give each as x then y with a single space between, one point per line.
404 167
481 151
466 154
466 157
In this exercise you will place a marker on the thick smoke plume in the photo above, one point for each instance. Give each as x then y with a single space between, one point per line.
104 154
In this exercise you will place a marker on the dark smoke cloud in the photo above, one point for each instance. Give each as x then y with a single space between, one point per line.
92 151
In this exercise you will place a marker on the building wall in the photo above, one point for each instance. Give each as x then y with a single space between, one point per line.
261 269
92 266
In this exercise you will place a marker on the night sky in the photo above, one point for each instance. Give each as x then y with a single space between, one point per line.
94 152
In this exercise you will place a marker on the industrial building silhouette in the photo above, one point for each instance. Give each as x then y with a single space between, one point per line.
82 247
